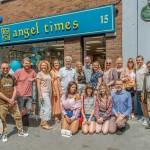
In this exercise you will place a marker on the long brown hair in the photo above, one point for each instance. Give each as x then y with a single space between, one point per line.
107 92
53 63
134 65
89 86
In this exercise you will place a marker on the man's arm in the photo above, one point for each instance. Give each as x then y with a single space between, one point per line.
14 93
2 96
129 103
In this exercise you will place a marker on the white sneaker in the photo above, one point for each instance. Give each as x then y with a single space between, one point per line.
145 122
141 120
23 134
4 138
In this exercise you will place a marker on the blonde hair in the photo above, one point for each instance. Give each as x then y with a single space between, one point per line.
107 92
68 58
134 65
119 59
99 66
26 59
108 59
76 67
45 62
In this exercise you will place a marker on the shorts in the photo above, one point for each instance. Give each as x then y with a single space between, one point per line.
103 113
88 116
70 113
24 102
138 95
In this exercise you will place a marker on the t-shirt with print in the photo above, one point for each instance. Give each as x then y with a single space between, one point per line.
45 82
24 86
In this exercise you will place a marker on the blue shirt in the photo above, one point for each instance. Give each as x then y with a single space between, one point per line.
122 103
94 79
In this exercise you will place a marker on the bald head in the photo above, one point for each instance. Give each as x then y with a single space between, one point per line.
5 68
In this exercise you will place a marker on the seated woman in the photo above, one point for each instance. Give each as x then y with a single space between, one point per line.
88 125
103 108
71 108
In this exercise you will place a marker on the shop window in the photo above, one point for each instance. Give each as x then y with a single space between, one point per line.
36 52
95 47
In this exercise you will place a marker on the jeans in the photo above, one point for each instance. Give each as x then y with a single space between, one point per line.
46 109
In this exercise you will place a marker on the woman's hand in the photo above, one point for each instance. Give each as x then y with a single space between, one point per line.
89 121
41 98
84 121
68 119
100 120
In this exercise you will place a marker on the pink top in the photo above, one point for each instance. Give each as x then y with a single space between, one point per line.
24 86
104 106
75 106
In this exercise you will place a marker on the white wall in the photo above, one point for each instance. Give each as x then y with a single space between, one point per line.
136 32
144 33
129 29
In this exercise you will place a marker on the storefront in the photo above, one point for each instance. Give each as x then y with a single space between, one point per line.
87 32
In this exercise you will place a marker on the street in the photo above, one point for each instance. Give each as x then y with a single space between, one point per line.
134 138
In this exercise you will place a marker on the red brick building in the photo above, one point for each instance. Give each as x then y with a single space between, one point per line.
98 46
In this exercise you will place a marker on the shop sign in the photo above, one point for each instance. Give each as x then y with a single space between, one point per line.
92 21
145 13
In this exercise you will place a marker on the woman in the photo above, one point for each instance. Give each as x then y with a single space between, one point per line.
110 75
71 107
96 78
45 92
80 77
88 125
103 108
130 69
56 91
122 74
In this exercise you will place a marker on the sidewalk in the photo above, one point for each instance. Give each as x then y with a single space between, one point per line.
135 138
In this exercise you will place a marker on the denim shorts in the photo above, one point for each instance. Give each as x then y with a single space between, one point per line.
70 113
103 113
24 102
88 116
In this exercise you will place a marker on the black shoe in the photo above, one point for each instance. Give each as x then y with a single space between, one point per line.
121 131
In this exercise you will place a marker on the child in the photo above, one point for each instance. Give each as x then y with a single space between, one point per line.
88 125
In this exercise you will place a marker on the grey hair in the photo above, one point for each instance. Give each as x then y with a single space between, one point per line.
68 58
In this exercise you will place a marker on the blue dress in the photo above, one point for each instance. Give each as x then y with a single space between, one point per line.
94 79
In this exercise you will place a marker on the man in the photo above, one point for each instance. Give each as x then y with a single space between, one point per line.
87 68
146 95
140 72
121 109
8 103
66 74
25 77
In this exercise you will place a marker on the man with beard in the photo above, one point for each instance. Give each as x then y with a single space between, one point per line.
25 76
8 103
140 73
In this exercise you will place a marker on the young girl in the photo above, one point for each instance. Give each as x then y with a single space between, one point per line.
88 125
103 108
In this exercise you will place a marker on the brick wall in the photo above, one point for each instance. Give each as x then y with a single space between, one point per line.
20 10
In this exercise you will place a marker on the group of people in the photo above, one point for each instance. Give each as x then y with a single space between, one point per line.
101 101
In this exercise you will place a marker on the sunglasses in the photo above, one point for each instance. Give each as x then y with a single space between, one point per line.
5 68
108 63
130 61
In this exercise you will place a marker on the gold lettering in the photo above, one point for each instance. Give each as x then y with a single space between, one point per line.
67 26
20 32
57 26
75 24
15 34
51 27
37 28
45 28
33 31
26 33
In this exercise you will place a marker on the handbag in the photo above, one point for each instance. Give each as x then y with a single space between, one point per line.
129 84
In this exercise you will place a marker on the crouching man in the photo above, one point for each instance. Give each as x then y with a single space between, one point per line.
121 109
8 103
